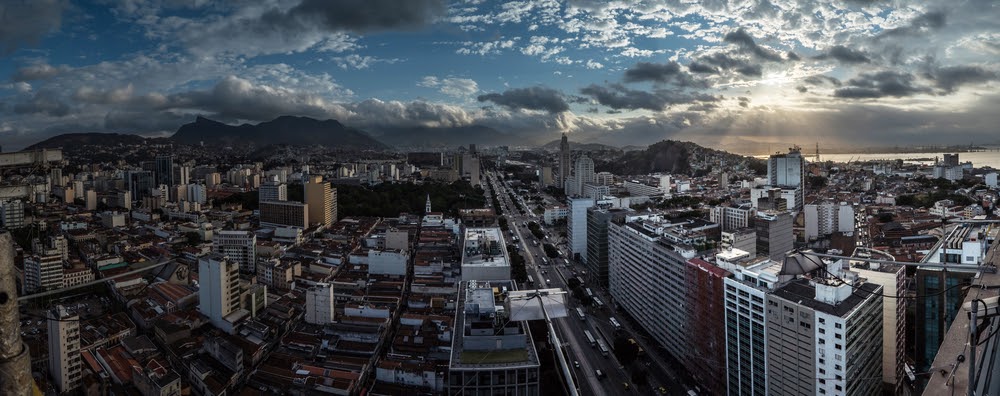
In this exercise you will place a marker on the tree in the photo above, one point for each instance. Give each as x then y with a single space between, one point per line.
816 182
626 351
550 250
573 283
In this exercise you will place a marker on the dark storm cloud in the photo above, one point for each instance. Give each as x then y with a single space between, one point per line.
43 103
744 101
923 23
670 72
725 61
39 71
792 56
880 84
698 67
844 55
820 79
531 98
26 22
951 77
746 42
240 99
617 96
368 15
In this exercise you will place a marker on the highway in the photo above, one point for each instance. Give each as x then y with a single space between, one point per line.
570 329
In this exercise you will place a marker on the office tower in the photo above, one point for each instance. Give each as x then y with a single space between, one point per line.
43 272
164 170
823 337
893 280
744 239
564 161
12 214
724 180
787 171
576 226
55 177
90 197
275 214
704 291
824 219
219 290
272 190
545 177
774 234
991 179
746 326
583 173
483 329
238 246
731 218
950 159
319 304
139 184
197 193
319 197
182 174
64 348
598 221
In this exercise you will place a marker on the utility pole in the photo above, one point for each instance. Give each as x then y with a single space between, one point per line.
15 364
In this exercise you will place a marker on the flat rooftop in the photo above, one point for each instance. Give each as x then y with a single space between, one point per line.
476 299
484 247
803 292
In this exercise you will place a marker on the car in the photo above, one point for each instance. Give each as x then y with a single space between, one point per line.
576 363
599 374
662 390
626 385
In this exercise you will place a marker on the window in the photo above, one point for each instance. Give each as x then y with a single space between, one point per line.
839 336
822 330
838 346
839 387
838 325
838 367
822 321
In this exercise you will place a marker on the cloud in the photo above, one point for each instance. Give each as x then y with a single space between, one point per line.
40 71
743 39
43 103
698 67
451 86
26 22
656 72
844 55
363 16
355 61
531 98
921 24
617 96
110 96
951 77
821 79
727 62
880 84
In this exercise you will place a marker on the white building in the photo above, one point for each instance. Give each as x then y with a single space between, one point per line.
576 225
788 171
827 218
636 188
12 214
319 304
238 246
43 272
583 174
746 326
553 214
272 190
387 262
484 255
219 291
892 278
730 217
991 179
197 193
64 349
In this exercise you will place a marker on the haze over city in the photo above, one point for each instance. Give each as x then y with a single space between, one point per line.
736 75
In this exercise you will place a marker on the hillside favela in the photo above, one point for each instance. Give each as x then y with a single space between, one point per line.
481 197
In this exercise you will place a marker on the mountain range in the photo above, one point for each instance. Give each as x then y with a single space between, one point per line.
303 131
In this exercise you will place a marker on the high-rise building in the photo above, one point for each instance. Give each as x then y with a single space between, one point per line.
564 161
598 221
319 197
824 219
892 278
576 225
197 193
164 170
319 304
774 234
827 330
12 214
139 183
950 159
583 173
182 174
731 218
788 171
746 326
43 272
706 315
272 190
284 214
64 349
484 329
219 291
238 246
90 197
991 179
55 177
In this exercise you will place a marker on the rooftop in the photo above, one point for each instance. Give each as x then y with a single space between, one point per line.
804 292
484 247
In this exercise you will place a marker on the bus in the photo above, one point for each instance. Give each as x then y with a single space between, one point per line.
602 347
615 324
565 261
590 338
589 293
531 280
598 302
579 312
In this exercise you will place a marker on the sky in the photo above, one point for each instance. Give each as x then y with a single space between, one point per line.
745 76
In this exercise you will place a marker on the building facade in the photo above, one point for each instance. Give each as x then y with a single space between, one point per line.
598 221
64 349
576 225
774 234
274 214
238 246
319 304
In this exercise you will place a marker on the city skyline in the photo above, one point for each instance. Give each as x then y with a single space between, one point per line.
729 75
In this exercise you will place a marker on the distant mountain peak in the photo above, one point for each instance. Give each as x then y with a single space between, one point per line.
286 129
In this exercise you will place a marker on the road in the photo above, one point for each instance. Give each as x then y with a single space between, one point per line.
570 329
